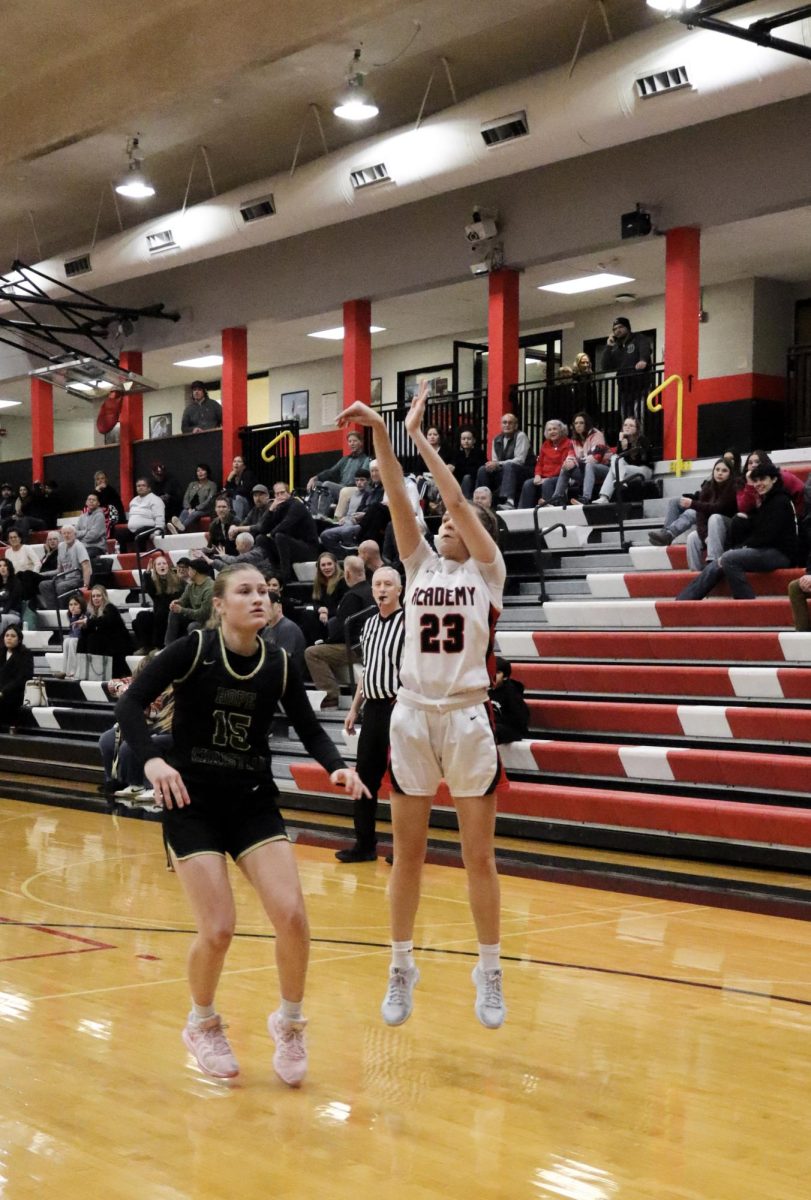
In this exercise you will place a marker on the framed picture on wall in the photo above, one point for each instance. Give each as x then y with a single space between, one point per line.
376 395
296 407
329 409
440 379
160 426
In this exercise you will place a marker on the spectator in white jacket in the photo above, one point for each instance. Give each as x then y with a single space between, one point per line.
146 510
91 527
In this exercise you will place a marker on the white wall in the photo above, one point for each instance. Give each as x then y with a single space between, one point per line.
72 434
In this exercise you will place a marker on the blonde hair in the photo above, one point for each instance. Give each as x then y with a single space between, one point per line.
321 585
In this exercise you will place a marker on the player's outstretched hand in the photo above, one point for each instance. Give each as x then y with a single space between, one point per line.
358 414
170 790
415 414
349 779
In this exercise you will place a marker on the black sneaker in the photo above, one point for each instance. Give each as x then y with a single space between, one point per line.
660 537
356 854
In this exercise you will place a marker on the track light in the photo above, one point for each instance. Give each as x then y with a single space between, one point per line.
673 7
356 103
134 184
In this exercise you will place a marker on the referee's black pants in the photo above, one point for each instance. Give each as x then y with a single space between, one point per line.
372 761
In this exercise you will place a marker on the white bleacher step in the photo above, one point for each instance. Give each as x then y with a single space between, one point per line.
182 542
305 571
37 639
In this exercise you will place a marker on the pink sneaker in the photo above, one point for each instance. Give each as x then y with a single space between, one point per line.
290 1055
209 1045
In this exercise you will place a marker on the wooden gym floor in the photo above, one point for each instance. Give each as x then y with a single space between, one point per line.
655 1049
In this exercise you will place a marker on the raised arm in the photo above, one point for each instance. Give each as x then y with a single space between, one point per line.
406 530
465 518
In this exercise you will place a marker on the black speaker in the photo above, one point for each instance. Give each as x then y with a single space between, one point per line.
635 224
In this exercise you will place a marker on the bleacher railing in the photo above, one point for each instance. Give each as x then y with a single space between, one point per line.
284 467
606 398
450 413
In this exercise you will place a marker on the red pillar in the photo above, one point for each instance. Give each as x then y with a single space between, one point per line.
682 304
502 339
357 352
42 425
234 393
131 425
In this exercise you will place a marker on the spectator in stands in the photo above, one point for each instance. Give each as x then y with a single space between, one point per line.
748 496
193 608
799 593
246 551
123 768
369 554
285 633
104 632
254 520
6 504
715 506
764 540
483 496
162 584
73 570
218 540
590 449
91 527
11 596
556 462
634 459
581 366
510 465
327 661
630 356
165 486
468 461
323 489
146 509
51 554
16 668
109 499
289 533
198 500
25 518
329 587
352 525
238 487
75 611
45 505
680 515
510 710
429 493
27 566
289 606
201 413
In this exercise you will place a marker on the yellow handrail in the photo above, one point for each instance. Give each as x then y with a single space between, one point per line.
679 465
269 458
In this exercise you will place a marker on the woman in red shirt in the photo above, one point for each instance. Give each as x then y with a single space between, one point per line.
550 481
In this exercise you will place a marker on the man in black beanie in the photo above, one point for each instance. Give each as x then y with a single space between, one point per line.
631 356
201 413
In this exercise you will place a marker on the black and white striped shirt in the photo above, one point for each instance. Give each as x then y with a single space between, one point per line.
381 644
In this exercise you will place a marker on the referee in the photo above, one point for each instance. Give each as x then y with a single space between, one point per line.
382 650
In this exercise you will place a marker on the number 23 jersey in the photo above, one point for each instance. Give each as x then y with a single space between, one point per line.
451 610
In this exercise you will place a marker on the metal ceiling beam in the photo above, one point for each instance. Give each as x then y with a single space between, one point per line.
757 34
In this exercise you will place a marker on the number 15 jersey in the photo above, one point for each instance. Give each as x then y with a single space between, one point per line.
451 610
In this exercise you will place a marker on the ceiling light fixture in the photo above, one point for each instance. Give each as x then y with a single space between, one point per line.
585 283
10 403
204 360
134 184
673 6
336 334
355 102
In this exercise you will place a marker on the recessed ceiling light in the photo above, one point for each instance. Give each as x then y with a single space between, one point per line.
673 6
10 403
585 283
204 360
336 334
626 297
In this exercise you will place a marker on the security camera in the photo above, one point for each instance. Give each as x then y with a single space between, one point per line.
480 268
636 224
481 230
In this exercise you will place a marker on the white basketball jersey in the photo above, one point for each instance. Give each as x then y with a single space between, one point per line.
451 610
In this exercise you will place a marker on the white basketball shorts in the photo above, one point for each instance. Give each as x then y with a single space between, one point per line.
458 746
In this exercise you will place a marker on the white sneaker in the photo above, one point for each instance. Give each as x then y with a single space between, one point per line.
129 793
396 1007
290 1056
489 1007
601 500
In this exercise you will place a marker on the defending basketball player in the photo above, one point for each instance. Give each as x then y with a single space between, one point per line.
440 726
219 798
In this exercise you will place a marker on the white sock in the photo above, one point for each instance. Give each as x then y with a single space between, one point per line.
489 956
201 1012
291 1010
402 954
